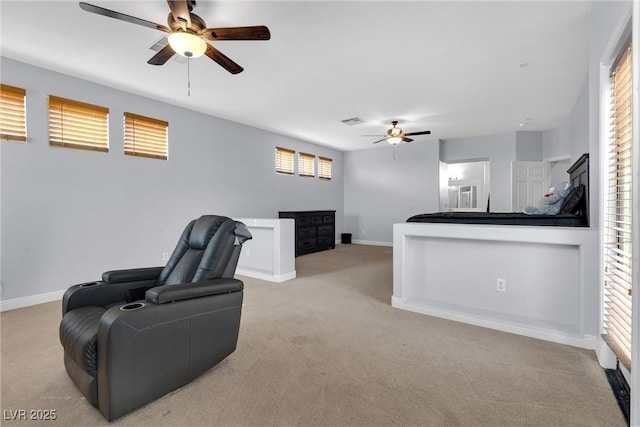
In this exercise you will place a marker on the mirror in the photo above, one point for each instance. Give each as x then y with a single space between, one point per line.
464 186
463 195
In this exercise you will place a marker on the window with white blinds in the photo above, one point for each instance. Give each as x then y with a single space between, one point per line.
324 167
13 116
284 160
145 136
75 124
306 164
617 214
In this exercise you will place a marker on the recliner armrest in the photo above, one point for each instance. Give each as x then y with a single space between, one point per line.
101 293
170 293
131 275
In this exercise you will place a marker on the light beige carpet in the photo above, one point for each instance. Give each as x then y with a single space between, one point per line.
328 349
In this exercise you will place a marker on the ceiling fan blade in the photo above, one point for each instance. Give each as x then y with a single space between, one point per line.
121 16
426 132
380 140
237 33
162 56
180 12
223 60
407 139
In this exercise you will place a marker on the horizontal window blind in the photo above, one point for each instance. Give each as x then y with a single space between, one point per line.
145 136
284 160
324 167
617 215
75 124
13 116
306 164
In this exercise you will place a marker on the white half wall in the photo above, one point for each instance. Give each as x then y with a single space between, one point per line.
451 271
270 253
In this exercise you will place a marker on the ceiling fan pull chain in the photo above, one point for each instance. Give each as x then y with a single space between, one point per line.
188 77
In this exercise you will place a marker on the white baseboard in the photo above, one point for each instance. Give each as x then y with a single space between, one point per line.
586 341
270 277
12 304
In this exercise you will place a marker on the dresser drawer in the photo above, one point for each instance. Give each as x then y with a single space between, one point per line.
306 232
316 220
303 221
326 241
325 229
306 244
327 219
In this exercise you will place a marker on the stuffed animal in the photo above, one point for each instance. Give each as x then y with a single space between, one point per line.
551 203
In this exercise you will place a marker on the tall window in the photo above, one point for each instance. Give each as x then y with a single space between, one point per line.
617 214
13 124
75 124
306 164
284 160
145 137
324 167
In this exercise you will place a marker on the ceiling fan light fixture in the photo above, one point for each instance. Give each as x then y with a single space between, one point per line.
187 44
394 140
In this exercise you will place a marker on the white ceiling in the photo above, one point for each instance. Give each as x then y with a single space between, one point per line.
456 68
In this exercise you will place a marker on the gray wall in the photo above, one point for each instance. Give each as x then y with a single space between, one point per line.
563 145
570 138
556 142
528 146
68 215
386 185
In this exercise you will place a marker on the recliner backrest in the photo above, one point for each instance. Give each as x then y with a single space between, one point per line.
204 251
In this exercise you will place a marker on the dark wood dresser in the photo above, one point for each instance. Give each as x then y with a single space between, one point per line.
314 230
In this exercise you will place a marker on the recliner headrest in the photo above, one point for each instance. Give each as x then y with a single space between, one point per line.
204 229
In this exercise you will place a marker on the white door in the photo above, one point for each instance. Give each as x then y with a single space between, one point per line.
529 183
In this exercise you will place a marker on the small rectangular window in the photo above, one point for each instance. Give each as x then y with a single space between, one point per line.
284 160
75 124
324 167
13 123
306 164
145 136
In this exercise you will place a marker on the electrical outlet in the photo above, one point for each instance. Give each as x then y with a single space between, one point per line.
501 285
165 256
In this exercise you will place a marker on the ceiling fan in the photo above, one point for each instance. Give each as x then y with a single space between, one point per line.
187 32
395 135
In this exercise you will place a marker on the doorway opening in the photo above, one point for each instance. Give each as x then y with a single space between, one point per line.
464 186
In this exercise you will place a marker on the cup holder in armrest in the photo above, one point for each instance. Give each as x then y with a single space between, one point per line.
89 284
133 306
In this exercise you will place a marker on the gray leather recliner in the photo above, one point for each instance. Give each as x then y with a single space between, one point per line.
138 334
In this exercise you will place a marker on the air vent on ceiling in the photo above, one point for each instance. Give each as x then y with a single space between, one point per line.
162 42
352 121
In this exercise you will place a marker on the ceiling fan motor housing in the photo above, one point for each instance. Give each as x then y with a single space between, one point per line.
394 131
197 24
